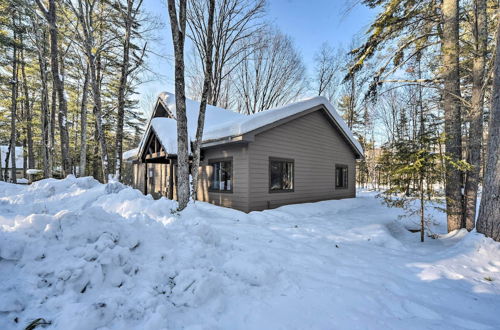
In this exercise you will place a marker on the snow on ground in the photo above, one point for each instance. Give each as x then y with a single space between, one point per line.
84 255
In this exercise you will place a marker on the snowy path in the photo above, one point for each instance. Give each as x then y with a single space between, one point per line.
85 255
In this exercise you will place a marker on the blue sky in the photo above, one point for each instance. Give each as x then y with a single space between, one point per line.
309 22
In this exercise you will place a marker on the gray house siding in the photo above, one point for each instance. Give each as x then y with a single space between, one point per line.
310 139
238 198
315 146
138 169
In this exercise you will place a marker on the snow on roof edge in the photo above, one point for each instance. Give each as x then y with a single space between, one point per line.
261 119
130 153
236 126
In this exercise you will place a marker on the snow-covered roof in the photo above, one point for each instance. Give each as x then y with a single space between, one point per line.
166 131
166 128
223 123
264 118
130 153
19 157
214 116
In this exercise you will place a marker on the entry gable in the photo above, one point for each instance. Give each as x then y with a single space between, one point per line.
328 117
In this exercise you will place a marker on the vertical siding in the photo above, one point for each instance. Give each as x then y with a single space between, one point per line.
238 198
139 176
128 173
311 141
158 182
315 146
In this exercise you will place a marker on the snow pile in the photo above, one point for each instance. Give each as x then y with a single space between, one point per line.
84 255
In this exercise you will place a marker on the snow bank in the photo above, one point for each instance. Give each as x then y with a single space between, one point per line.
85 255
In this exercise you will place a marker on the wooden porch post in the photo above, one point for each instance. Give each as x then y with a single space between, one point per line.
145 178
170 179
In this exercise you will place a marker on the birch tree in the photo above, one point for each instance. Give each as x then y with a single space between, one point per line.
128 16
13 113
205 96
83 122
177 16
85 12
40 35
50 15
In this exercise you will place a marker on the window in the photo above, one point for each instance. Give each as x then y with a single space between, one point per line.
222 175
341 176
280 175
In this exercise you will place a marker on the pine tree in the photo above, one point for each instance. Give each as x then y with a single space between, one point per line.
488 221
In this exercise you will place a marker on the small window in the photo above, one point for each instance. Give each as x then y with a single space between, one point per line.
280 175
222 176
341 176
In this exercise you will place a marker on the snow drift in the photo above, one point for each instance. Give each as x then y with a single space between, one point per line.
84 255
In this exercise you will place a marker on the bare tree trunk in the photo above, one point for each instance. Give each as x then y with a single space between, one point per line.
352 102
488 221
51 18
13 82
452 116
422 205
83 123
85 16
178 27
476 117
205 95
95 158
121 91
6 168
96 92
53 110
28 114
44 104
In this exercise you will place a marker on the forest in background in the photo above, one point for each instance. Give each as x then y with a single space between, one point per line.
415 89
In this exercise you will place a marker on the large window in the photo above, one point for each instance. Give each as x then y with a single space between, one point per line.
341 176
222 175
280 175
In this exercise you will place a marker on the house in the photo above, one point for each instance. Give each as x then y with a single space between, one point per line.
19 161
302 152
